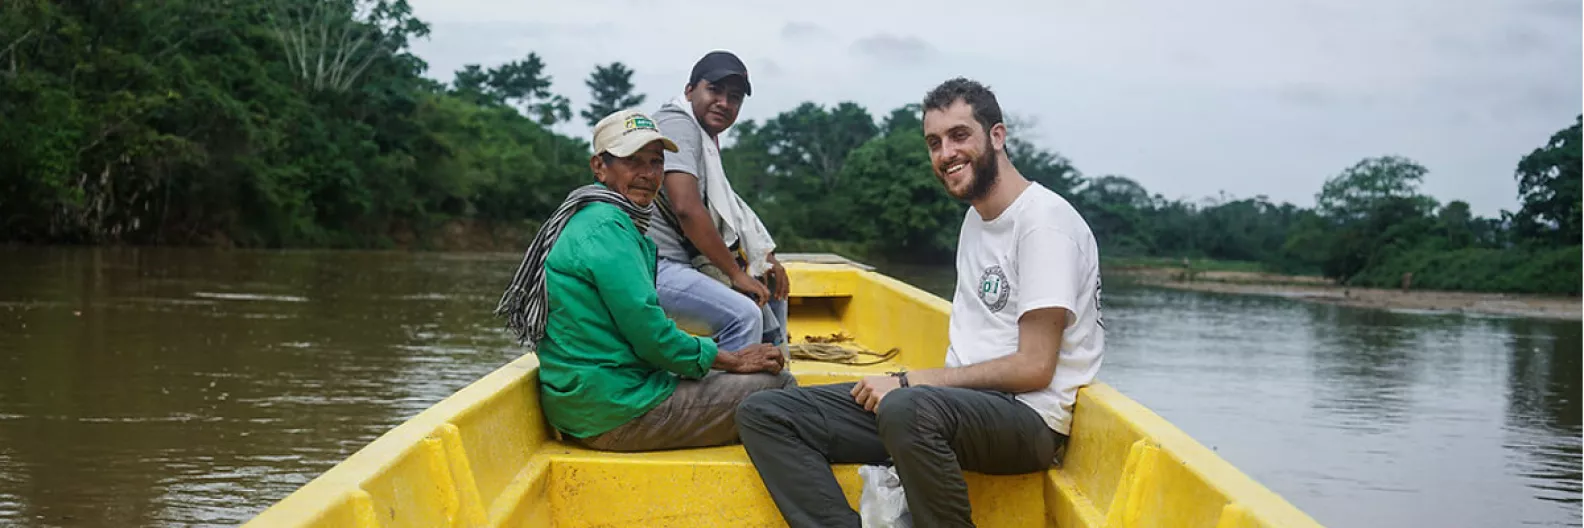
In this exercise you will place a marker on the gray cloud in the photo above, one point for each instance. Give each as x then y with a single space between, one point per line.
451 45
798 31
1512 41
1521 40
769 68
1560 10
1296 89
1306 95
1542 99
1189 59
1457 46
1309 95
889 48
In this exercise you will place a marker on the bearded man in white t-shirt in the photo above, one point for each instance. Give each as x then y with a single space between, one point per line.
1025 334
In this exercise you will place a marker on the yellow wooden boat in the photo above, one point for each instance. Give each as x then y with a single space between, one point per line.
482 457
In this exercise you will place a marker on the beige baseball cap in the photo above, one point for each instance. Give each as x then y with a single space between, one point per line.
625 132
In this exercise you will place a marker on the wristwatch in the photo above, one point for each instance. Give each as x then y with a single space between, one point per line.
900 376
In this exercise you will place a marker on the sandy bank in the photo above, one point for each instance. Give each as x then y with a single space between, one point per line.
1318 289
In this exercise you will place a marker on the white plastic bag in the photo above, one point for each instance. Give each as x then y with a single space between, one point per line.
883 504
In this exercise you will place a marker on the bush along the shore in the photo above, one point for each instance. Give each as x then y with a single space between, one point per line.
1555 270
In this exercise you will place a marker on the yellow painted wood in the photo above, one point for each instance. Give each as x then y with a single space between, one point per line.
482 457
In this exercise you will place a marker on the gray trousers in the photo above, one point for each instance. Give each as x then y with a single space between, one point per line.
931 434
699 414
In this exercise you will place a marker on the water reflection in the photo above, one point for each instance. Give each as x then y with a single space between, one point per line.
146 387
175 387
12 505
1369 362
1543 410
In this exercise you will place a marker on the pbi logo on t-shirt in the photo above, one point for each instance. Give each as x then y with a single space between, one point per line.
994 288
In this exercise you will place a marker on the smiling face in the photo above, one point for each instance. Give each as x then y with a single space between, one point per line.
716 103
965 155
637 176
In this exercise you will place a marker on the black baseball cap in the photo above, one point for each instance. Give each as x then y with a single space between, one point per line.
717 65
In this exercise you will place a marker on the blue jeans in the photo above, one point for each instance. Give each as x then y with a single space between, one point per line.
702 305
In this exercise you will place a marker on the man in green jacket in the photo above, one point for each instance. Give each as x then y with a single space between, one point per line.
615 373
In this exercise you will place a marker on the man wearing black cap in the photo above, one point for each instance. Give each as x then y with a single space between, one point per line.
710 242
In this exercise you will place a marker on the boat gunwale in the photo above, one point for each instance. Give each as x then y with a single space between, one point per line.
346 478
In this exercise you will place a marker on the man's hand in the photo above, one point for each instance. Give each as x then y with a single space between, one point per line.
745 283
756 358
869 391
779 282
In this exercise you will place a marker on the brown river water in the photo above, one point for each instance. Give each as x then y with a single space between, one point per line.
174 387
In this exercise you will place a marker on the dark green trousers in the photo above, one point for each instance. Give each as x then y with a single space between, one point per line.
931 434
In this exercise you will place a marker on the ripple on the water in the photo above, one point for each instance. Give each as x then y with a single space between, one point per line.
250 297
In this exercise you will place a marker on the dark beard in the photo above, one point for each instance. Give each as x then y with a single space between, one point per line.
985 173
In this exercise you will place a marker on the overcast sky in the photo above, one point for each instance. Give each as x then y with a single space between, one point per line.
1190 99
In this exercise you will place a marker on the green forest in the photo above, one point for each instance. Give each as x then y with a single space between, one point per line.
309 123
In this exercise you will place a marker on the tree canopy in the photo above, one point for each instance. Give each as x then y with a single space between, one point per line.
1548 186
612 89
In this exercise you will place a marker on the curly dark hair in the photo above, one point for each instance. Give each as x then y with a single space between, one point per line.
979 97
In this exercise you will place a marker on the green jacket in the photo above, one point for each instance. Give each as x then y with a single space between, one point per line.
609 353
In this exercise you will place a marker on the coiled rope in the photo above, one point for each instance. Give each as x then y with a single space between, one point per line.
825 349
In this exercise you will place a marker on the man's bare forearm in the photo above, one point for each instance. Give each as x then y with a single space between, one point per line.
1013 374
701 231
697 225
1028 369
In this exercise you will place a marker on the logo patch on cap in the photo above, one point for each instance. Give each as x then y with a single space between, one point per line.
637 122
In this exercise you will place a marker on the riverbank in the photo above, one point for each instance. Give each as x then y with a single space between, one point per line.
1244 278
1322 290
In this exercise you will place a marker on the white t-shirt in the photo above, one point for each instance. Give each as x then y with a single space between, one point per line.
1039 253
